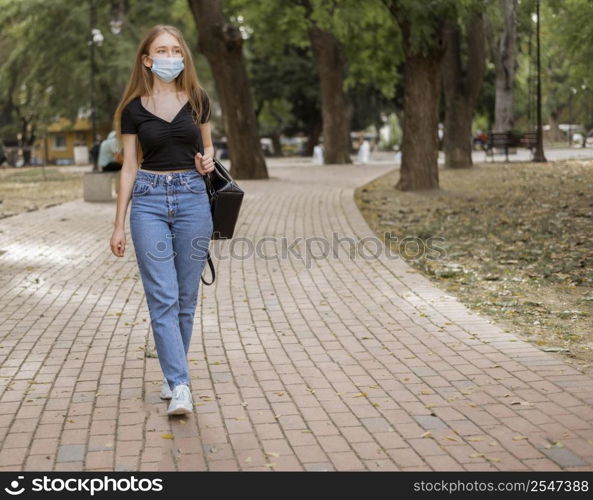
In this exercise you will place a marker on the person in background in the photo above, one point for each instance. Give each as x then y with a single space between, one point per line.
109 154
364 152
94 151
318 153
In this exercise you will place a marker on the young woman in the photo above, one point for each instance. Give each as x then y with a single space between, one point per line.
162 124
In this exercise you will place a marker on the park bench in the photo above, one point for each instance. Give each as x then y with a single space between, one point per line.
99 186
529 141
508 139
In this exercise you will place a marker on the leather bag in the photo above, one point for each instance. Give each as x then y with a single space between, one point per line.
225 203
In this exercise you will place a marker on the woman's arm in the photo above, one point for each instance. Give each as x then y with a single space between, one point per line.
207 138
127 178
126 182
206 161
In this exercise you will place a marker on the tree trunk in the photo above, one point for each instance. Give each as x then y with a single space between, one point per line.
276 144
505 60
222 43
422 92
315 129
422 85
555 134
462 88
336 108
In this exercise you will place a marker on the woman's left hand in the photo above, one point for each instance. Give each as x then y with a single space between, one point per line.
204 163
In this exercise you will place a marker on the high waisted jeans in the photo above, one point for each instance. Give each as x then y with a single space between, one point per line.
171 227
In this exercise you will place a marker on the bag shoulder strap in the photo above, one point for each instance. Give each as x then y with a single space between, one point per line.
211 271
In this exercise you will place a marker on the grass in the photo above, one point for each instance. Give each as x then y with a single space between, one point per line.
32 188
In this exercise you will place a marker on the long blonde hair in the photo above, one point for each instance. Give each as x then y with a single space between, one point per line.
141 78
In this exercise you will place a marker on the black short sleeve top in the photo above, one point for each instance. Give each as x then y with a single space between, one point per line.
166 145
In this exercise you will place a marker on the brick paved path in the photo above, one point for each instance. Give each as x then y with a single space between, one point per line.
342 364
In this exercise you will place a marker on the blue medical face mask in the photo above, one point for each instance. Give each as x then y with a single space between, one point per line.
167 68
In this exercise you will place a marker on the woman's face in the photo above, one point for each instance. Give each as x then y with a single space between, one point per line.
164 45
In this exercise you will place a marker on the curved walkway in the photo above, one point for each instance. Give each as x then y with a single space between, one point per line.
337 363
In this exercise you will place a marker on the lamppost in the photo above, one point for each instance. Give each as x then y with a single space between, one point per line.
96 38
587 121
573 92
539 147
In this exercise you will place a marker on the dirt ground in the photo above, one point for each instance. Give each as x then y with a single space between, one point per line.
31 188
514 241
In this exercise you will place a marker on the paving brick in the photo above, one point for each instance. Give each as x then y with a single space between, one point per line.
297 365
346 461
71 453
430 422
564 457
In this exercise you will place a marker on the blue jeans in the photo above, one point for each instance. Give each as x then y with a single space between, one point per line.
171 227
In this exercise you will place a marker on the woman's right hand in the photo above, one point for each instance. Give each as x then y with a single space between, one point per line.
118 242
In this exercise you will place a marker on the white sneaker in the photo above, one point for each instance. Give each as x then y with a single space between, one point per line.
166 392
181 401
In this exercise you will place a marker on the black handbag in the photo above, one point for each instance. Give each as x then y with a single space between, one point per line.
225 203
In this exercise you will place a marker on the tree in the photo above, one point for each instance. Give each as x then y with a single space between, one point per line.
422 26
282 30
45 71
502 40
221 41
336 108
285 85
463 73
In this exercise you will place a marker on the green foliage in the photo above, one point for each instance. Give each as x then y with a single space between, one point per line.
566 58
286 88
45 73
421 22
44 56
